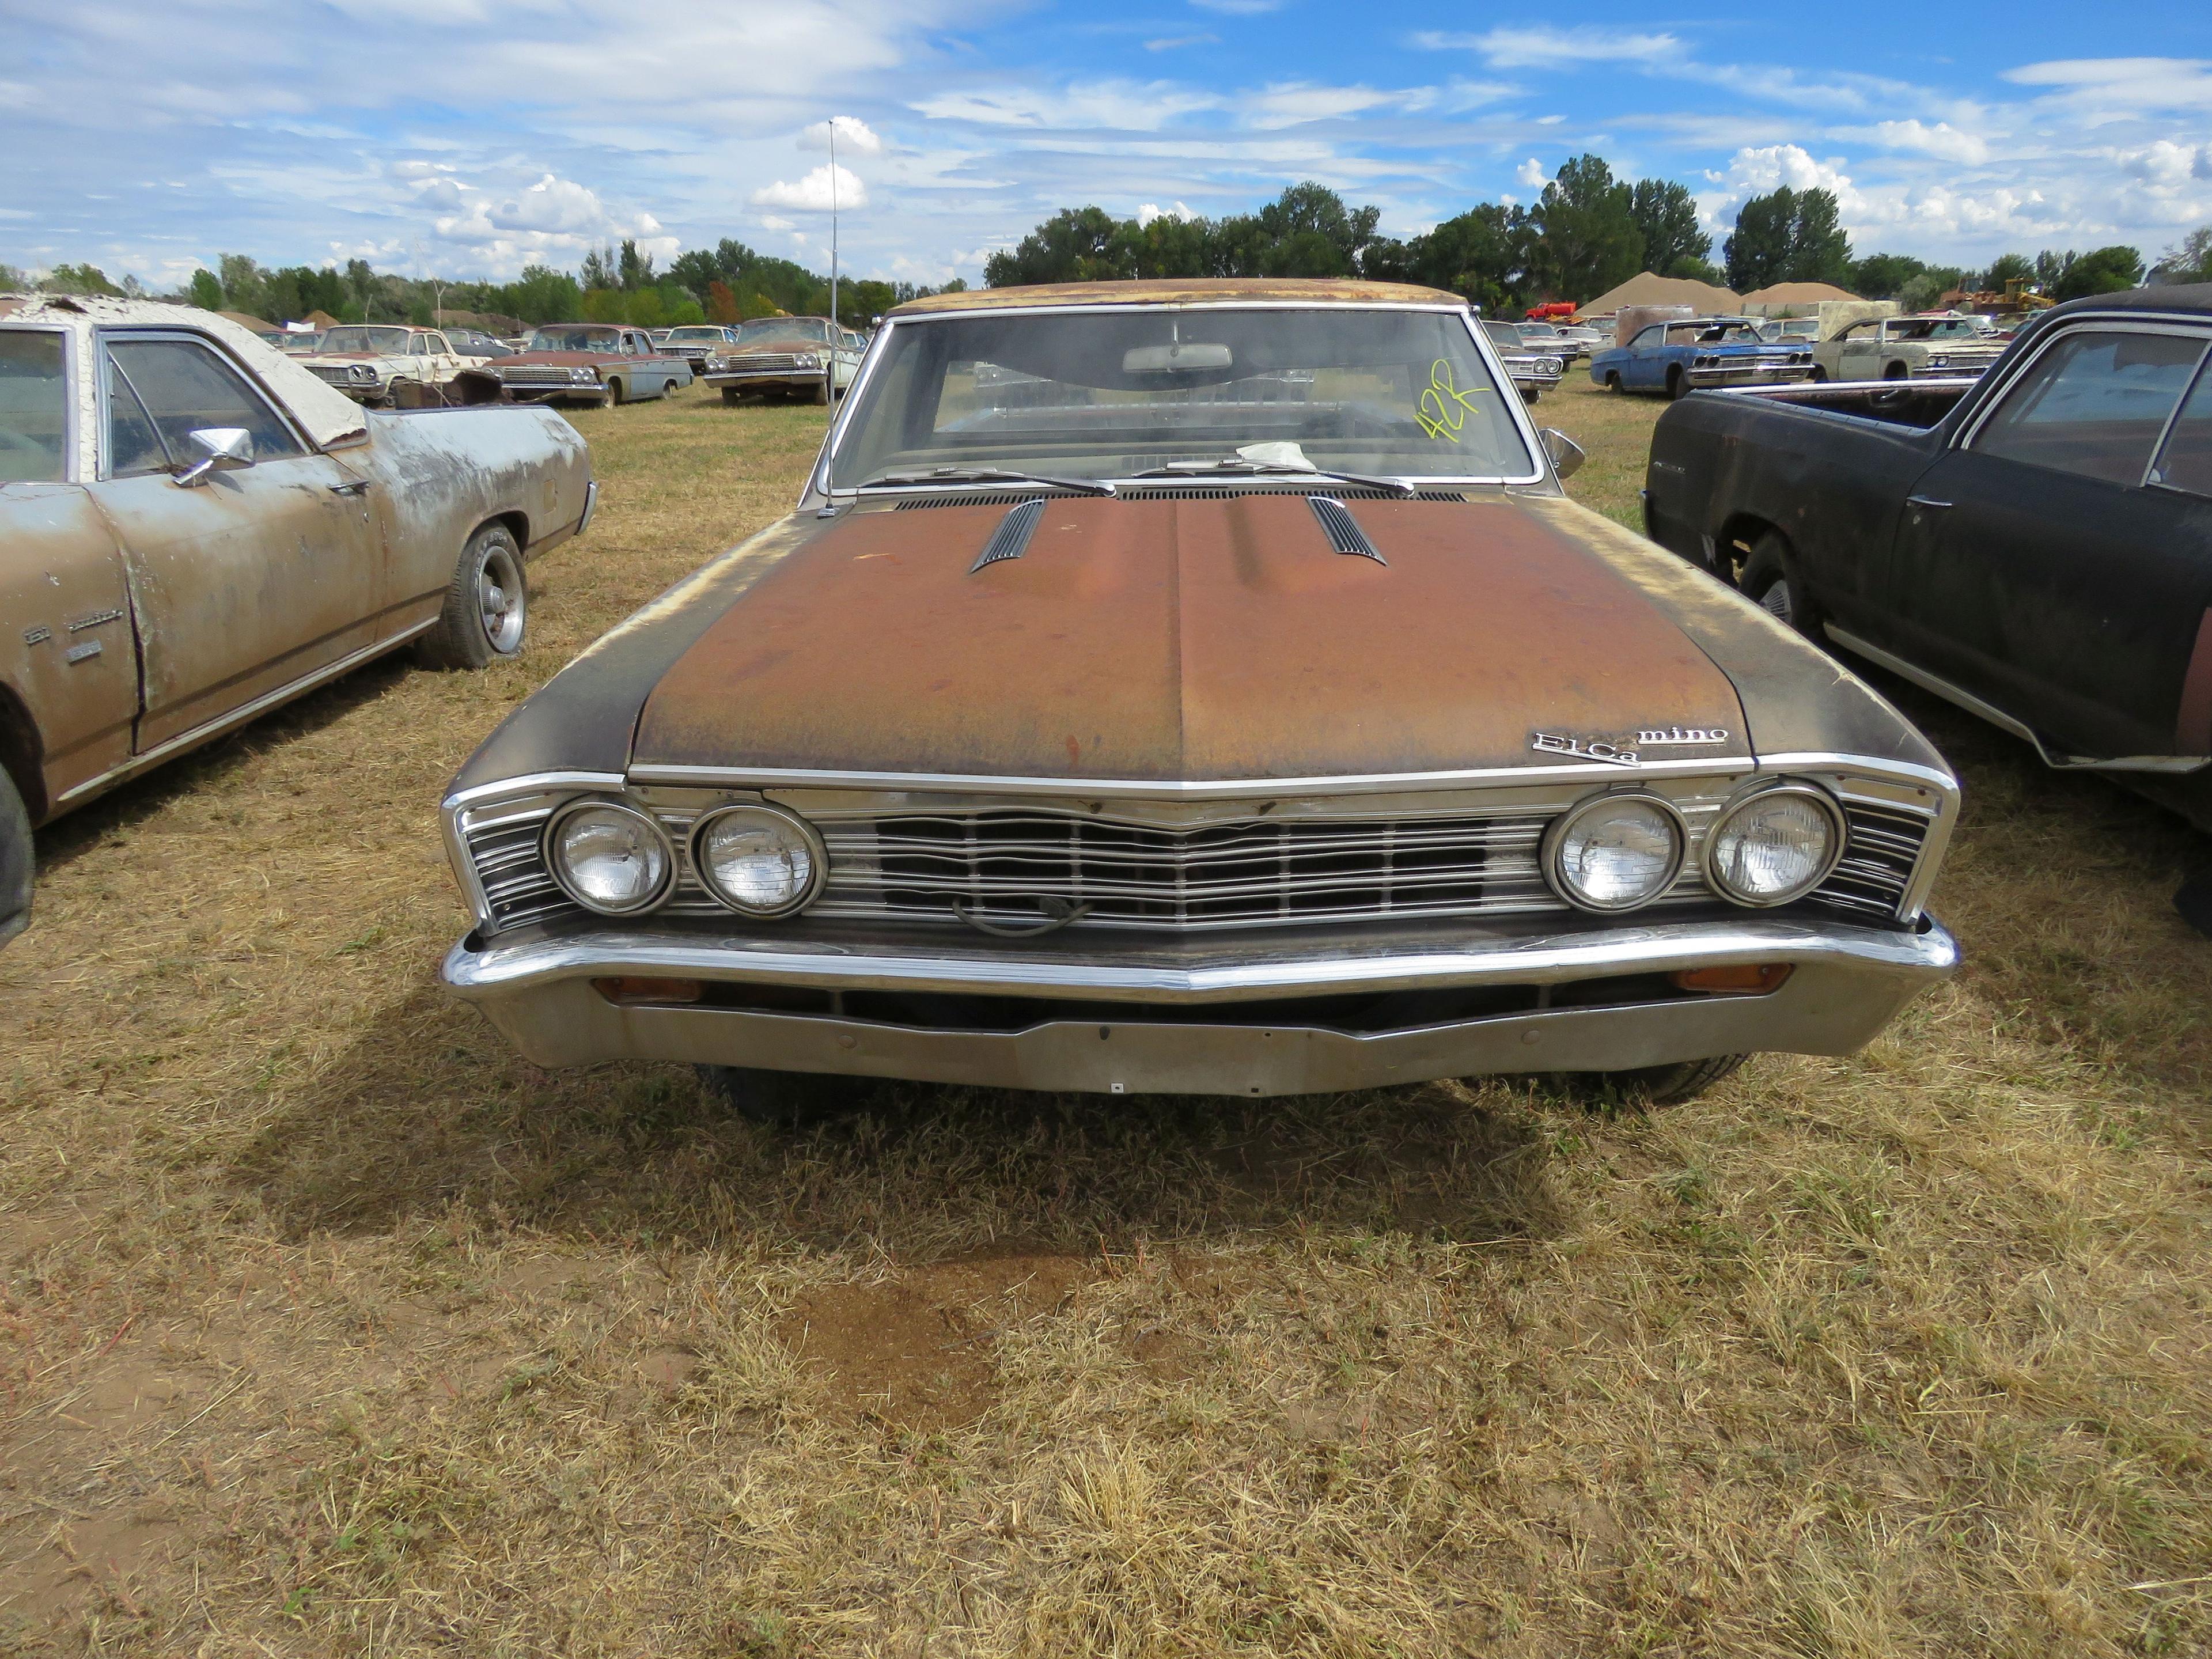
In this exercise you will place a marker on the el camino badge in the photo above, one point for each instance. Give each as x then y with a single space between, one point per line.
1628 752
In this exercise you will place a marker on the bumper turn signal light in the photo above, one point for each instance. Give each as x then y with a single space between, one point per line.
637 992
1743 979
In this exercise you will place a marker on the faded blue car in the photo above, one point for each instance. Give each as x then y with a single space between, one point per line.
1682 356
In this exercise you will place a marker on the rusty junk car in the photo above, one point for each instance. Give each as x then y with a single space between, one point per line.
1200 688
194 528
599 363
807 358
379 364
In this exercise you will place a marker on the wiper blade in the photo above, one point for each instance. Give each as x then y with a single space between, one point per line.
1243 465
988 475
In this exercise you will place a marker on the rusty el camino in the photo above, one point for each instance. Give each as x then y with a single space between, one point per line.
1199 687
195 528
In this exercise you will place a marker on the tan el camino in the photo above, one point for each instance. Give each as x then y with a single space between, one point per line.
382 364
1205 688
194 528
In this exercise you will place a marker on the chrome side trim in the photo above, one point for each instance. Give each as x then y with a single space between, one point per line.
238 716
2169 765
591 505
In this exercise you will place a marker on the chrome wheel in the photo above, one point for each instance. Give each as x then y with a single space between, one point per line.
1776 601
500 600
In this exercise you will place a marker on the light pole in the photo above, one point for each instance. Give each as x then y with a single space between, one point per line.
833 227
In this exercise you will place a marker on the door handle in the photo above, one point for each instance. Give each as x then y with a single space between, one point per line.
1927 503
351 487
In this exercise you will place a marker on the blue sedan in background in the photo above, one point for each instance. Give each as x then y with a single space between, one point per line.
1682 356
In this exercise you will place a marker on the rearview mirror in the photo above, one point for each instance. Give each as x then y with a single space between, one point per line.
1182 357
1567 457
223 449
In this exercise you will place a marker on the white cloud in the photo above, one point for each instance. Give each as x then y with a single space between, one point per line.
1942 141
1130 105
854 135
1150 211
1531 173
815 193
1176 42
777 221
2165 165
1539 46
1295 103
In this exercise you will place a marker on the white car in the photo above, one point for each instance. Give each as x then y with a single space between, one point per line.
371 361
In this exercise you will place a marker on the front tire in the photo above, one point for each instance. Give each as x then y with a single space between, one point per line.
1657 1085
1678 385
778 1099
1769 582
18 860
820 397
1819 374
487 609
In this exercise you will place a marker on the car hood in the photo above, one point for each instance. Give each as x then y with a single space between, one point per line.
769 350
1200 639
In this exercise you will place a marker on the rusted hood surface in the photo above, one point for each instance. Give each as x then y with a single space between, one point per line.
571 359
1185 641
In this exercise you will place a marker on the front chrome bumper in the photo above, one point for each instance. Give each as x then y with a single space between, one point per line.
1139 1024
1754 374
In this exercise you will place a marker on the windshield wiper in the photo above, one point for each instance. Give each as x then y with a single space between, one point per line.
988 475
1244 464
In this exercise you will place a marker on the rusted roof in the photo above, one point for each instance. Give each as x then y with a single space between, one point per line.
1184 291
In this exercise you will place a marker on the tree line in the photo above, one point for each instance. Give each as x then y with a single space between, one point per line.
1586 233
728 283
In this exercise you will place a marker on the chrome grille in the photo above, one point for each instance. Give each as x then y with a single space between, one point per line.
1249 872
333 373
535 374
762 363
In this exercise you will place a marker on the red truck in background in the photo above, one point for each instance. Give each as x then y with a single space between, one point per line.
1551 310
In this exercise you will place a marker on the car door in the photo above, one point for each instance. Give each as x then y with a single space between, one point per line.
1642 371
1858 358
2041 566
248 581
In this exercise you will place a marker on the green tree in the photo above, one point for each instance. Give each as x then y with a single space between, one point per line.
2189 260
635 268
1587 237
79 279
2007 268
1076 245
1666 214
1881 275
1788 236
13 280
205 290
542 295
1481 255
2100 271
599 269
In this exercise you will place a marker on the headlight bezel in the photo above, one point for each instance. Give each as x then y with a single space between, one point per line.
549 845
1556 833
1840 834
817 852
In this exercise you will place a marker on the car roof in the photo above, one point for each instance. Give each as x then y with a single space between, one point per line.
2195 297
1185 290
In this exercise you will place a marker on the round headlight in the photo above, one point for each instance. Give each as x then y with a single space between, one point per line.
360 372
1775 846
1614 852
582 375
758 860
608 858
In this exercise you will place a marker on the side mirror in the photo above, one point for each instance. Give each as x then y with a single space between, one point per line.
1567 457
223 449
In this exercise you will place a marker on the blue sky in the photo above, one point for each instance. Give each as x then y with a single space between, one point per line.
471 136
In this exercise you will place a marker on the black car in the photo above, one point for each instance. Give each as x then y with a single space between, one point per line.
2035 545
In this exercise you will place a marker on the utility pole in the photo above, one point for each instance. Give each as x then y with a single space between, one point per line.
833 225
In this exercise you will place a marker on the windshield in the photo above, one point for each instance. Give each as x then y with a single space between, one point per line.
784 330
1110 394
1934 328
1712 334
674 334
1536 331
353 337
32 412
576 339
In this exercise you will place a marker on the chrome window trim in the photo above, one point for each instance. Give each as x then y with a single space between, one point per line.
1840 831
817 488
2187 328
74 470
101 337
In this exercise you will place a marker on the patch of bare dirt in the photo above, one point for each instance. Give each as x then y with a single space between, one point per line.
916 1351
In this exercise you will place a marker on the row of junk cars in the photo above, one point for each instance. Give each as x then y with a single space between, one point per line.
399 365
1192 687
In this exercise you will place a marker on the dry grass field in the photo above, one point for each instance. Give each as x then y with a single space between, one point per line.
328 1327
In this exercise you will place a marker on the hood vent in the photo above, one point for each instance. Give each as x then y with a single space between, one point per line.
994 498
1012 536
1343 531
1193 492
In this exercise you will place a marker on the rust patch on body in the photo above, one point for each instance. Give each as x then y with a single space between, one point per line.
1190 640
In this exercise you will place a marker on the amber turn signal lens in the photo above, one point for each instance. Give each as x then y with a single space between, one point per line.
632 992
1747 979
